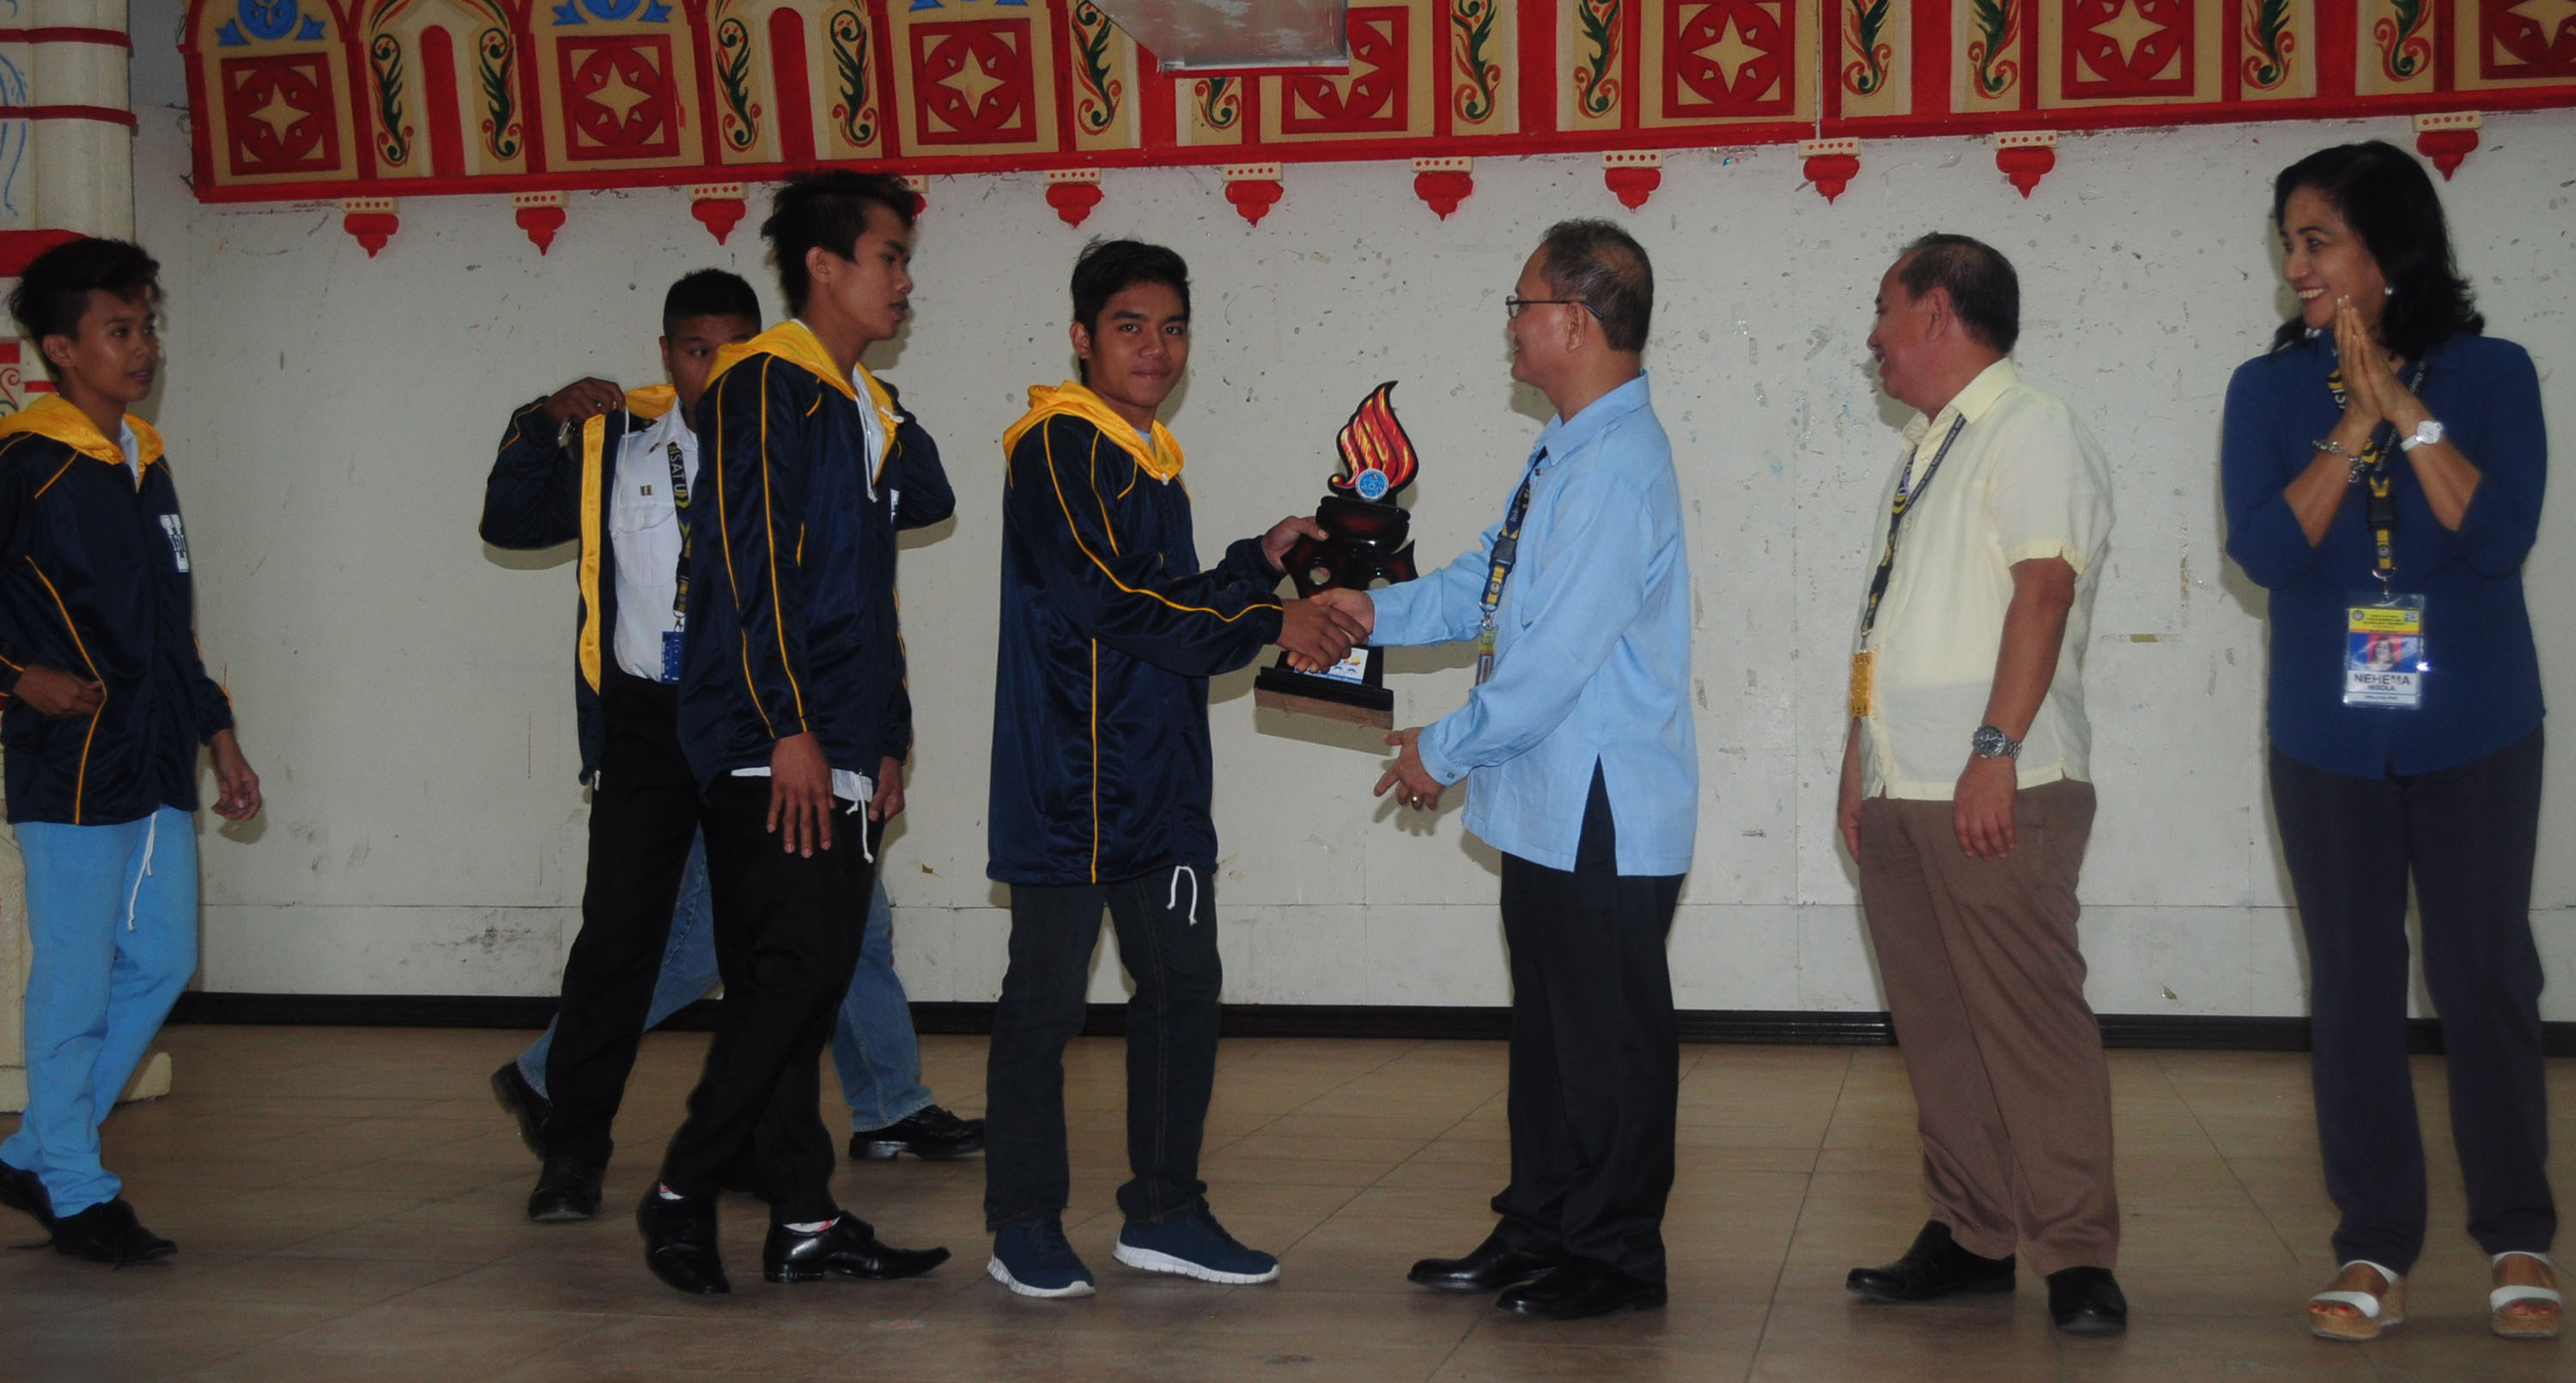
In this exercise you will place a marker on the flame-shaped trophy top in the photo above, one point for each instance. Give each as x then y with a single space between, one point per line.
1377 458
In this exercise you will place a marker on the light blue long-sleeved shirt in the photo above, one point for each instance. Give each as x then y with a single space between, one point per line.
1592 650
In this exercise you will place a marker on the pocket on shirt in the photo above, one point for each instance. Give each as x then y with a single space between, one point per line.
630 512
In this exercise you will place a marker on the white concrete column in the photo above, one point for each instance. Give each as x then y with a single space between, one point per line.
66 164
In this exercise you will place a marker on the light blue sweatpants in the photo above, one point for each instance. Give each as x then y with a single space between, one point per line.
112 912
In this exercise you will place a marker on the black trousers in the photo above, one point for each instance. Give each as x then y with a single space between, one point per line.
2468 836
1595 1063
788 929
644 810
1166 925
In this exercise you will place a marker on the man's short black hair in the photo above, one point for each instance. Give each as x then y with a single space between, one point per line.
1606 269
1983 288
53 294
709 293
1107 268
829 209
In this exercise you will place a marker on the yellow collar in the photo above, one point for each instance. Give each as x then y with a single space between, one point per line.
55 418
652 401
795 343
1971 402
1162 460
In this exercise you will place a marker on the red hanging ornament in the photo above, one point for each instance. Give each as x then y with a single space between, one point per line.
371 221
1633 175
1442 183
541 214
2026 156
1254 188
718 206
1831 164
1073 192
2447 138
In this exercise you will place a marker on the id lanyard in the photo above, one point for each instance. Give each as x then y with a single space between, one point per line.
1507 550
1909 492
680 505
2385 658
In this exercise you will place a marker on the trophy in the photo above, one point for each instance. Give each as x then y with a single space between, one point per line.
1366 548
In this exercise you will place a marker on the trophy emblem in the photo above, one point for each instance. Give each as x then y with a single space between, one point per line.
1366 548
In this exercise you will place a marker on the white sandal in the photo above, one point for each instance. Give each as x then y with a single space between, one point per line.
2524 1325
2372 1312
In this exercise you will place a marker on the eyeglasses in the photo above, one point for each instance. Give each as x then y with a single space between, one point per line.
1512 306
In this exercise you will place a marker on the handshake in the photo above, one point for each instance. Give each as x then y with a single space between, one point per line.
1322 630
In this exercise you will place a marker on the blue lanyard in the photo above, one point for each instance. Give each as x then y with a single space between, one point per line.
1498 568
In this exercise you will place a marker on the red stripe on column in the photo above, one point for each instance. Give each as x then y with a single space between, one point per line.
2338 46
110 115
65 33
1538 66
1932 57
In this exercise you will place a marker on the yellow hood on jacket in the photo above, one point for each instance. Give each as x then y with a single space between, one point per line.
53 417
1162 460
795 343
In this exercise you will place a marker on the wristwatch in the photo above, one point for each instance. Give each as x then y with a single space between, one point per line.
1991 743
2426 433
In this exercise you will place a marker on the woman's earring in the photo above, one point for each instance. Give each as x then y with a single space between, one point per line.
2388 290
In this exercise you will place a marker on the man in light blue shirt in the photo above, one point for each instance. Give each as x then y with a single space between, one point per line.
1578 738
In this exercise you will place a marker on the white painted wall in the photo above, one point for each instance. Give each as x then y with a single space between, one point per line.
406 692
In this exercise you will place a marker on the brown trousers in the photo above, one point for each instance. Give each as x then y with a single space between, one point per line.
1986 987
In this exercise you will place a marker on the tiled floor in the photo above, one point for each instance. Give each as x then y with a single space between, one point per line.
347 1204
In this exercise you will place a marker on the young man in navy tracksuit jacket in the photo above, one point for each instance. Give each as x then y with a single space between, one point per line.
1102 774
107 700
789 689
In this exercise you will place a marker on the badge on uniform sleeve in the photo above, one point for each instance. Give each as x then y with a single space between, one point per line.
2384 661
1863 675
178 539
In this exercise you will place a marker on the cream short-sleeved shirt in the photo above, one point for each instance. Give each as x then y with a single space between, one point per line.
2024 480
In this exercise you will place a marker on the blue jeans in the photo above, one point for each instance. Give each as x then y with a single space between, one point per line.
872 1045
112 913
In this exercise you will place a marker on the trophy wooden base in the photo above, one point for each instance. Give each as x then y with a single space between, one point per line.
1304 693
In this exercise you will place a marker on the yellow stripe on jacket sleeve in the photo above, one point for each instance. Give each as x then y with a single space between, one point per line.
769 533
1076 530
594 441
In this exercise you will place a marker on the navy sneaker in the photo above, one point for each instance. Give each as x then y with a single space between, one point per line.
1195 1247
1032 1258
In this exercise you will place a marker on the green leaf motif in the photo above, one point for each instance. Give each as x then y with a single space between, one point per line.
1594 90
2403 49
393 137
1220 102
850 59
1867 74
494 54
1101 90
2267 31
1998 24
1474 20
741 123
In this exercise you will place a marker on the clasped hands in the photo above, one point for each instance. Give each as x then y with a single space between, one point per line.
1321 631
2372 391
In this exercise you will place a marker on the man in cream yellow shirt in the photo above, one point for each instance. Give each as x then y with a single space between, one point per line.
1966 794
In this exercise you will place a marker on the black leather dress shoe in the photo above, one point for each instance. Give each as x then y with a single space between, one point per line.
1489 1267
567 1190
24 1192
1581 1288
846 1248
930 1132
523 1103
2087 1301
1936 1266
680 1242
108 1233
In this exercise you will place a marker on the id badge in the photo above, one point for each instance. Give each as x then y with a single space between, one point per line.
1863 677
2384 662
671 655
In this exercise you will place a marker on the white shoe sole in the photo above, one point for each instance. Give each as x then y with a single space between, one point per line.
1150 1261
1002 1275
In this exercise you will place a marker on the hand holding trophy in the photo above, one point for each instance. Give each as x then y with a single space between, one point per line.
1363 546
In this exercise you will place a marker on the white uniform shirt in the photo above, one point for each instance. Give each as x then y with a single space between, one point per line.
2024 480
644 532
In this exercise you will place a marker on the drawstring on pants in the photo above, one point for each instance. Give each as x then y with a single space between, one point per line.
151 837
1173 899
855 809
